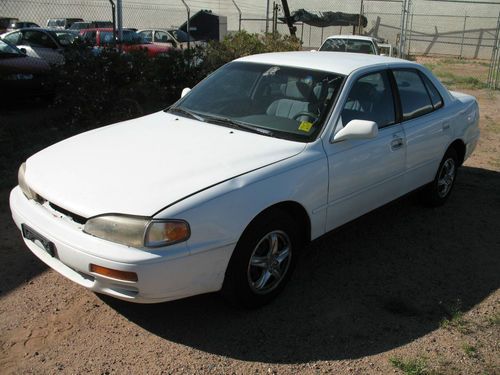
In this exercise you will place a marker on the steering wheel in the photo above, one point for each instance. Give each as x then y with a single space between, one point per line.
306 113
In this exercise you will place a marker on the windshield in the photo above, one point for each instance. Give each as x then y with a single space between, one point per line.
348 45
280 101
7 49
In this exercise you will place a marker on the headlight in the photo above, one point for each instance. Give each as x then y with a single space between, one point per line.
30 194
136 231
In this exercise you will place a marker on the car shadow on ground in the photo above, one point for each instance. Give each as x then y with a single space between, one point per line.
375 284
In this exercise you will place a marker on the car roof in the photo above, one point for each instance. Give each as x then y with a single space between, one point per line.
356 37
337 62
104 29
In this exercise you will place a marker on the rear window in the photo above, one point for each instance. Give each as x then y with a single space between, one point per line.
348 45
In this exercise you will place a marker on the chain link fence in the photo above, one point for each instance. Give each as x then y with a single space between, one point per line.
452 37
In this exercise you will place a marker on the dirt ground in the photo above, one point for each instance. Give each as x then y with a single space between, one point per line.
404 289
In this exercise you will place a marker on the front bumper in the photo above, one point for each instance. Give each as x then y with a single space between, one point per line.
163 275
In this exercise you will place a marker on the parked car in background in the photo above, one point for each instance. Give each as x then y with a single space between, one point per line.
43 43
22 25
5 23
104 38
175 37
21 76
350 43
77 26
386 49
62 23
267 153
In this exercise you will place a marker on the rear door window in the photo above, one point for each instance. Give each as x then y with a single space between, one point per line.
415 100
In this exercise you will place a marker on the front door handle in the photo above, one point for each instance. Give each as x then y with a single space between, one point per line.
397 143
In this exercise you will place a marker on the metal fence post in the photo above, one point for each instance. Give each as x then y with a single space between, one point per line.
187 23
239 15
267 16
402 30
492 80
119 16
113 14
463 35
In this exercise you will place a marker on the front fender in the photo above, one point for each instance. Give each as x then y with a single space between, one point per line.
219 215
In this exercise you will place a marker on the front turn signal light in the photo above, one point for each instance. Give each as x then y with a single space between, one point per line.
113 274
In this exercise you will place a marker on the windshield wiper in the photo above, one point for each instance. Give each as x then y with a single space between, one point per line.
186 112
240 125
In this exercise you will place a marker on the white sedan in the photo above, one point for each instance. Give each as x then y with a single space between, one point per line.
221 191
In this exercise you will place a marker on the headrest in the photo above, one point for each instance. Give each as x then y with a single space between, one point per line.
298 90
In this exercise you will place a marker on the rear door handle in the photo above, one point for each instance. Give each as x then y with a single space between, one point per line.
446 125
397 143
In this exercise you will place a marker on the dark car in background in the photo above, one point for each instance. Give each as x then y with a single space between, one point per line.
5 23
22 25
21 76
131 41
43 43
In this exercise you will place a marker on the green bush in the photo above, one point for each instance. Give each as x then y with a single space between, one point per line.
94 89
243 44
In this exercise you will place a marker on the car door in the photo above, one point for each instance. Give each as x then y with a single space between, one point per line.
40 44
366 173
425 123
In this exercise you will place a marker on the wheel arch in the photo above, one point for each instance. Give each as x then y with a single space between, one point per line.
292 208
460 149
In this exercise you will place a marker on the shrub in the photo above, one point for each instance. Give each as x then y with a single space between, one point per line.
95 89
243 44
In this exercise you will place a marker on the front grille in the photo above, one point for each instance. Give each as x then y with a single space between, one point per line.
76 218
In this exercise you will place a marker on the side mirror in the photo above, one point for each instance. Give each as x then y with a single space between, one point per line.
185 90
357 129
23 51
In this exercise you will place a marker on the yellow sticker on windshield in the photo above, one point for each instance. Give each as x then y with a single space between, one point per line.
305 126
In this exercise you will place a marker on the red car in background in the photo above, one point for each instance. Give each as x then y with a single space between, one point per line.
131 41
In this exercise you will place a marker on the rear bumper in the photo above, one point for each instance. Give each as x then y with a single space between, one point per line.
172 273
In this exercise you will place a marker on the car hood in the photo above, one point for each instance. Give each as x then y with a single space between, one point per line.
140 166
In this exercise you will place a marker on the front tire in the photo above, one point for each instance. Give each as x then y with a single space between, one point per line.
263 260
438 191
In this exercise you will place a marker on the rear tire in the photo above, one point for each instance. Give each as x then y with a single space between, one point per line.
263 260
438 191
